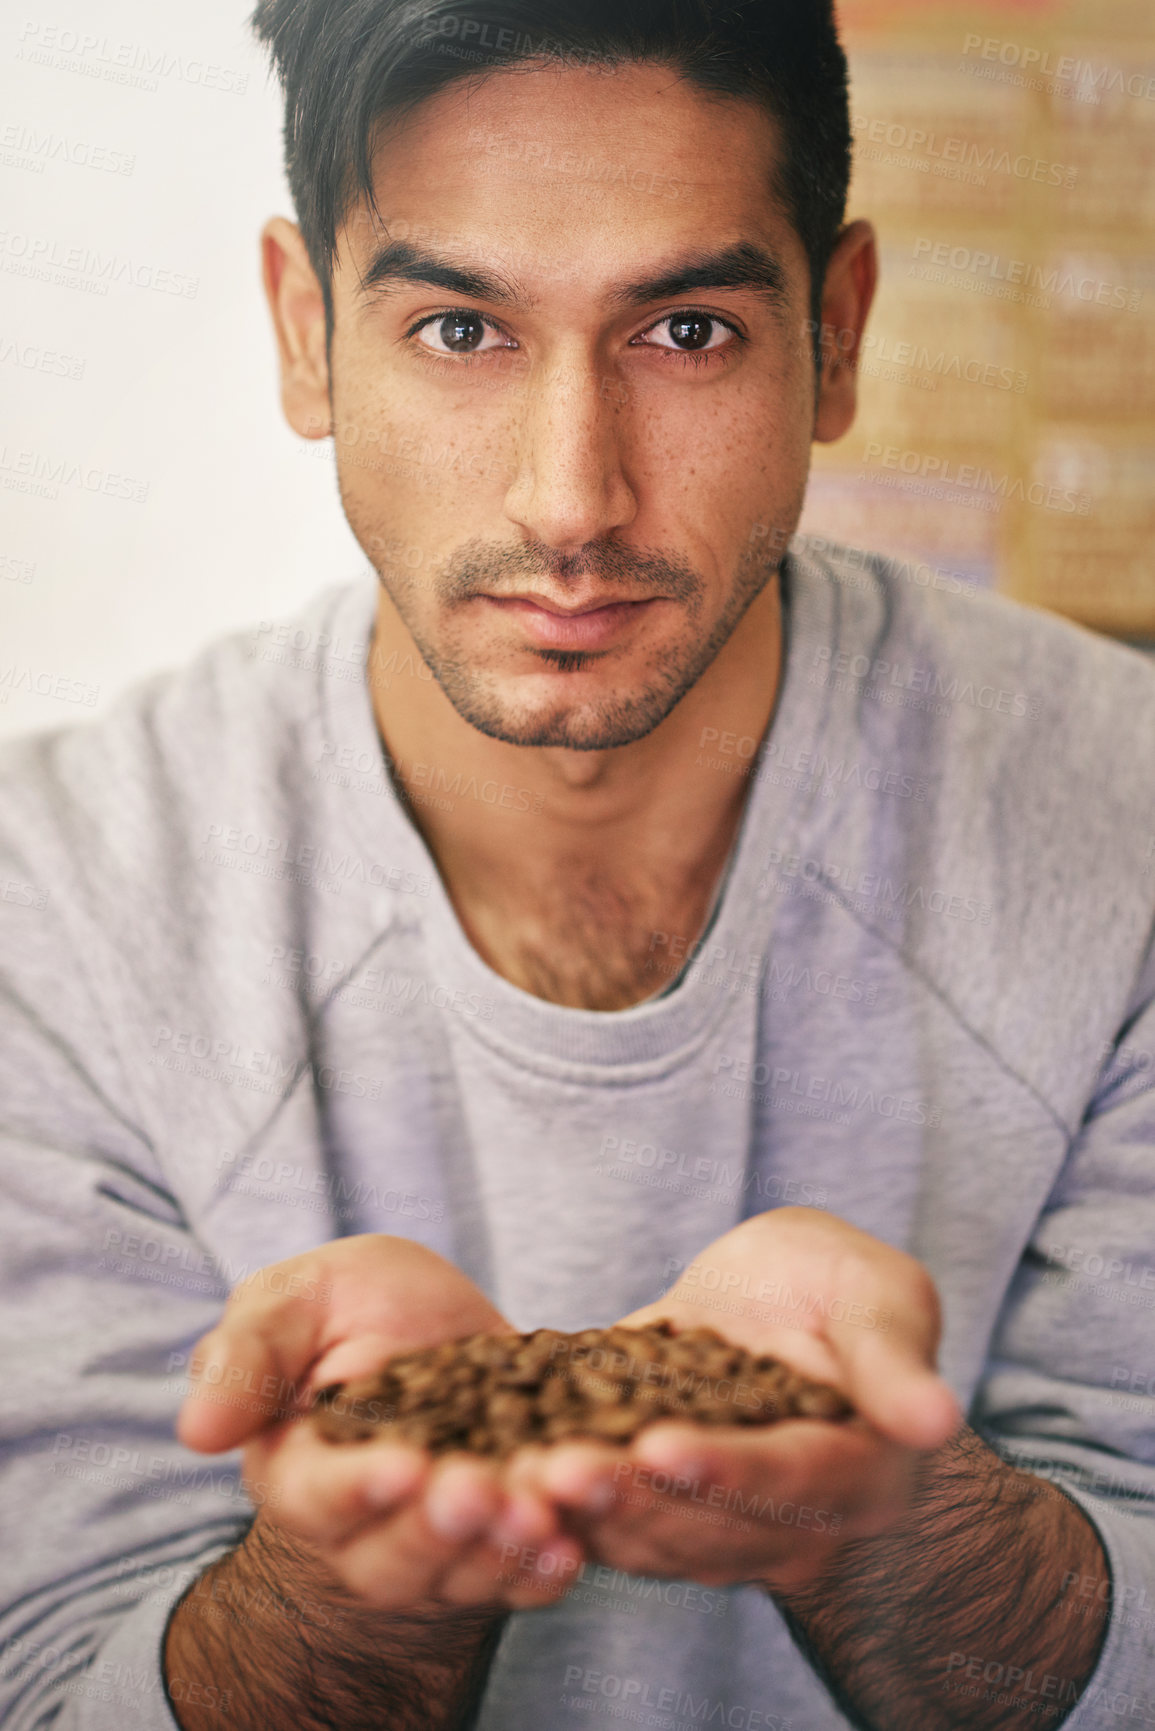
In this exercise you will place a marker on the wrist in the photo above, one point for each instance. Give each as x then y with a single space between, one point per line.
293 1580
273 1625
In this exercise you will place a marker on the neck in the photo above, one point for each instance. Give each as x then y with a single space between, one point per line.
551 799
643 830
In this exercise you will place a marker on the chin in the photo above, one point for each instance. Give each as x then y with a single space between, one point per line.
569 700
617 720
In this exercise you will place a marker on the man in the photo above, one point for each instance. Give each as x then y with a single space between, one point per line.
569 928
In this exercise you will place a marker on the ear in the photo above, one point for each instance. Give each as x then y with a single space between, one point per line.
298 309
847 295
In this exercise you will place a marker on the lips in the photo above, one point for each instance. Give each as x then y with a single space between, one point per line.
569 608
589 624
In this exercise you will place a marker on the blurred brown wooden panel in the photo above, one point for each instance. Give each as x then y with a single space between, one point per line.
1007 425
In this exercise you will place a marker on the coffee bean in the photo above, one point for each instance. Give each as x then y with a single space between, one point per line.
490 1393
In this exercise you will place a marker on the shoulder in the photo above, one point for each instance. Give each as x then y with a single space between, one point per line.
1021 871
114 899
176 743
996 694
1020 656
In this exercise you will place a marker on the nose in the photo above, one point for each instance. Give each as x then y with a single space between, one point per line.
570 487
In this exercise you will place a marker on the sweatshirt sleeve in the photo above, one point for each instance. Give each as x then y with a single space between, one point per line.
1070 1390
106 1518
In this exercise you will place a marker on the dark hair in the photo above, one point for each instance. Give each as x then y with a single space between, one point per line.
348 64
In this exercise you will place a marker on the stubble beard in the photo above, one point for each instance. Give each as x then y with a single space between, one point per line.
592 725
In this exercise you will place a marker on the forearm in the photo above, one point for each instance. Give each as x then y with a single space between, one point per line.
295 1651
959 1616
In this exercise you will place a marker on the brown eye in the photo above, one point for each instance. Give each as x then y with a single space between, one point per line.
689 333
461 333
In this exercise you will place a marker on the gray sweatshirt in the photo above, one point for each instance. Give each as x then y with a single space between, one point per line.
240 1018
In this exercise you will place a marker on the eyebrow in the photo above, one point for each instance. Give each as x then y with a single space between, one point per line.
742 266
398 261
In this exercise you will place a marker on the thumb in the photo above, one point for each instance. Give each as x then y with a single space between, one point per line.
248 1374
890 1381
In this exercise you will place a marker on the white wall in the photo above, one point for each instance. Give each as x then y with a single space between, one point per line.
171 397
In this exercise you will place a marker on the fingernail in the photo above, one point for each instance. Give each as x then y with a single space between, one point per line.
598 1498
382 1495
519 1521
390 1482
450 1521
668 1454
452 1524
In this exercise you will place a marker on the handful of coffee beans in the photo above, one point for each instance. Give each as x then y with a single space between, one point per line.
491 1393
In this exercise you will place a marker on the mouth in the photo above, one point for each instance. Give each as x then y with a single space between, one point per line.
590 624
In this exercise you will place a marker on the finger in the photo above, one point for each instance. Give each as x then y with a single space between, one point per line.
523 1577
876 1325
462 1498
526 1519
247 1373
523 1559
250 1370
579 1476
400 1561
804 1474
729 1508
888 1368
326 1494
646 1522
331 1313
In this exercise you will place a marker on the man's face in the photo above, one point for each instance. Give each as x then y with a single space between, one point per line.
573 402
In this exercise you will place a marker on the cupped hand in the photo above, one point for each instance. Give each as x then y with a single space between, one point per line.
400 1531
772 1504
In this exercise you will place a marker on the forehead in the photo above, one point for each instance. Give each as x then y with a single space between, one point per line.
564 175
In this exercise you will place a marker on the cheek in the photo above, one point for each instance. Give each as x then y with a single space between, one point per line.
418 451
728 472
739 435
361 396
399 403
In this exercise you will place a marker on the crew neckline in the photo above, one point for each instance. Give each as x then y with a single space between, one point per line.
665 1029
